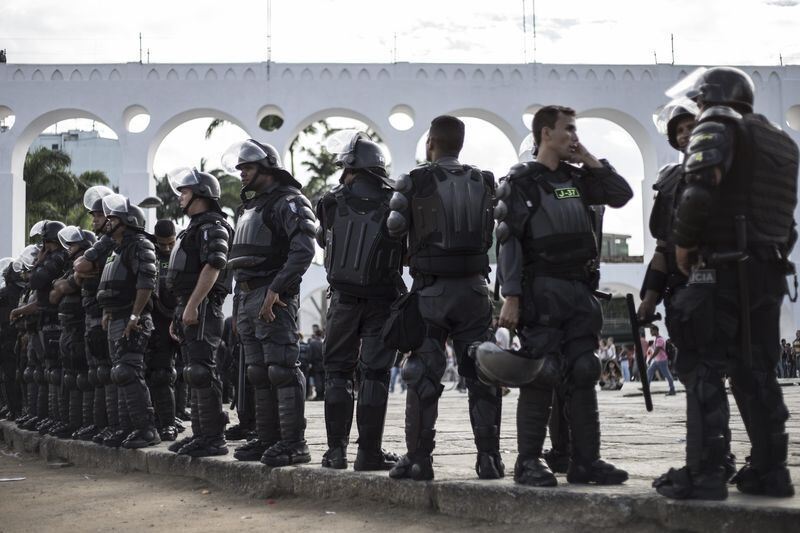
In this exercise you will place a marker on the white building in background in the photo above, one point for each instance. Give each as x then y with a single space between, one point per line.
143 103
87 150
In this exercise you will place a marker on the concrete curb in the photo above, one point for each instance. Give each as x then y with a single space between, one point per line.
627 507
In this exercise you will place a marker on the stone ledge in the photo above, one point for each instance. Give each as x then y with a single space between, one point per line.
633 506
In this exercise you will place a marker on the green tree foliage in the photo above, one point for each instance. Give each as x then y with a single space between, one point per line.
53 192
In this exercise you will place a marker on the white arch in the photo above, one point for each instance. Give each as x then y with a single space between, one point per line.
298 127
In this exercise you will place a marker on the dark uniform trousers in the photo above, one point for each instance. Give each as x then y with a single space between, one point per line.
160 376
200 343
75 380
135 410
271 353
706 319
353 340
561 320
8 369
459 308
104 410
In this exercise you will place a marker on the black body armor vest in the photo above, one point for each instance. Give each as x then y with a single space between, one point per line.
452 226
762 185
359 257
257 245
184 263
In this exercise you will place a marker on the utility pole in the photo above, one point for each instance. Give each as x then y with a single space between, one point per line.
655 57
534 30
269 37
524 33
672 46
140 48
148 56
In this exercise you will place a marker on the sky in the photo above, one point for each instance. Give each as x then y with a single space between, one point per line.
738 32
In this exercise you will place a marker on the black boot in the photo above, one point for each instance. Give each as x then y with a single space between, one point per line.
339 400
370 418
533 412
205 447
292 448
142 438
585 463
267 426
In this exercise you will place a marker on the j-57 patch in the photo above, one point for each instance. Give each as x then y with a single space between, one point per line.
567 192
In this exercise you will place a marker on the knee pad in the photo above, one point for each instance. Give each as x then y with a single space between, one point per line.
38 376
373 392
198 376
123 374
338 390
27 375
69 379
281 376
415 374
91 377
585 371
104 375
258 375
55 376
161 376
83 383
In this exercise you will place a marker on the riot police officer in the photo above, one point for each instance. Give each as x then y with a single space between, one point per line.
733 231
11 288
198 279
663 278
363 265
78 394
272 248
87 270
29 335
445 209
124 293
160 357
548 269
50 265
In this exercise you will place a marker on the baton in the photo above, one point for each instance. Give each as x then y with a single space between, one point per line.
637 346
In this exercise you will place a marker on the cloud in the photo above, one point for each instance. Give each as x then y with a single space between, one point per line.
782 3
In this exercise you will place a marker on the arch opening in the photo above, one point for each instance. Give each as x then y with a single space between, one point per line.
7 118
401 117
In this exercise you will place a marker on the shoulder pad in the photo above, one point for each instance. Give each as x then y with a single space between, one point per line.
398 202
216 231
666 175
500 210
504 190
719 113
708 146
488 175
404 183
144 244
519 170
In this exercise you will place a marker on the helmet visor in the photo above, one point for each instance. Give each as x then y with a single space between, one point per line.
114 203
93 194
28 256
4 264
525 153
69 236
182 177
662 117
240 153
686 85
37 228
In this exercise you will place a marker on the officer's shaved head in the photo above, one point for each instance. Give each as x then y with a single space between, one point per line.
447 134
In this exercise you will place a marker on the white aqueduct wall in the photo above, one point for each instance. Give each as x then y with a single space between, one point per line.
40 95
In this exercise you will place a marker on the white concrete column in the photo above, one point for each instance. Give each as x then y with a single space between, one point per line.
403 147
12 198
136 181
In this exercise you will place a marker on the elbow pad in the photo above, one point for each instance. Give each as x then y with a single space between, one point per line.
99 249
691 215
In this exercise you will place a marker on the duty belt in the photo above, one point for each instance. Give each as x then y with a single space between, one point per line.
253 284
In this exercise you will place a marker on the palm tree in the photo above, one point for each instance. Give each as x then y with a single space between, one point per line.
53 191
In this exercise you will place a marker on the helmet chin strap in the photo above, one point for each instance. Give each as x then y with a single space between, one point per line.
112 230
189 203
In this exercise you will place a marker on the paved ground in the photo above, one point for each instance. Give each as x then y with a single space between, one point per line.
645 444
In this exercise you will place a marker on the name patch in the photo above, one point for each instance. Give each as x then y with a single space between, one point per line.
704 276
567 192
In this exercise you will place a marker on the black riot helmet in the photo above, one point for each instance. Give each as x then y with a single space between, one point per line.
355 150
667 118
202 185
71 235
496 366
724 86
93 198
264 155
116 205
47 229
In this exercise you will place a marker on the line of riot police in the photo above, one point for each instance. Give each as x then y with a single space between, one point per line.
102 323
